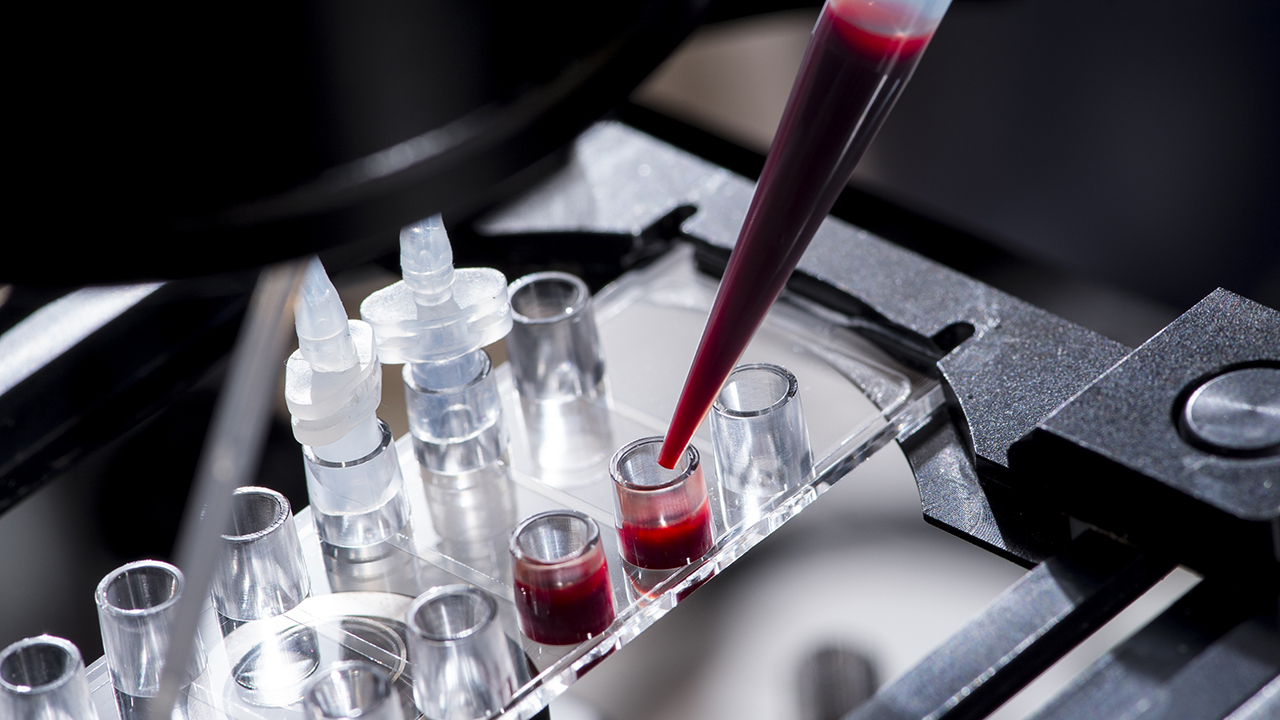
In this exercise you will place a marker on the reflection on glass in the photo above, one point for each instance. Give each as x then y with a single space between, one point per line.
384 567
473 512
272 673
352 689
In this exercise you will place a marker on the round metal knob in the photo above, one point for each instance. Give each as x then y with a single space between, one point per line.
1237 412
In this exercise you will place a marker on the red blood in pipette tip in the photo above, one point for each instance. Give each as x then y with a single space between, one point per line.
661 547
854 69
566 614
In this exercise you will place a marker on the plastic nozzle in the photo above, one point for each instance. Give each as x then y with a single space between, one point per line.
324 337
426 260
333 382
436 313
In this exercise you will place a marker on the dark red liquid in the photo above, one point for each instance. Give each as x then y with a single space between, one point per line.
848 81
567 614
660 547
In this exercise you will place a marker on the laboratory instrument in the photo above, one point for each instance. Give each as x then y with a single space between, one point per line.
760 440
261 573
464 666
333 386
859 59
559 372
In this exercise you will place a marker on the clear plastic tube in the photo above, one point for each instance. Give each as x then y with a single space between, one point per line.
42 678
859 59
758 434
137 603
455 415
473 513
663 516
563 593
352 689
559 372
463 664
361 502
262 572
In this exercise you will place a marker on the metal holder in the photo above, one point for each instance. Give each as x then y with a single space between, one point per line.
262 572
43 678
463 667
357 503
563 593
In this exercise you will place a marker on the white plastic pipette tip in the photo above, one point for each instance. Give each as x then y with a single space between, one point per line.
426 260
324 336
333 382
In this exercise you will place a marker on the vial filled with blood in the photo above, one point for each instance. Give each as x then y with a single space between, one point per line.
563 594
663 516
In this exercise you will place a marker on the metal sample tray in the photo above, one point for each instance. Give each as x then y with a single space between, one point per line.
855 401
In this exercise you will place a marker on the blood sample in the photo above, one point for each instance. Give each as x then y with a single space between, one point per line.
861 56
663 516
668 546
563 593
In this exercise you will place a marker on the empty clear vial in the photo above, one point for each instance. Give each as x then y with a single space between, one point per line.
559 371
42 678
758 434
261 573
333 386
436 321
464 666
136 607
349 690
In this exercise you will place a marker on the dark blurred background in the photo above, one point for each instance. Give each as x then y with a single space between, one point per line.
1132 143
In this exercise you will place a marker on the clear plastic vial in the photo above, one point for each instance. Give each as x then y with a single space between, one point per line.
262 573
360 502
137 603
563 593
559 372
758 434
663 516
463 664
42 678
455 415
